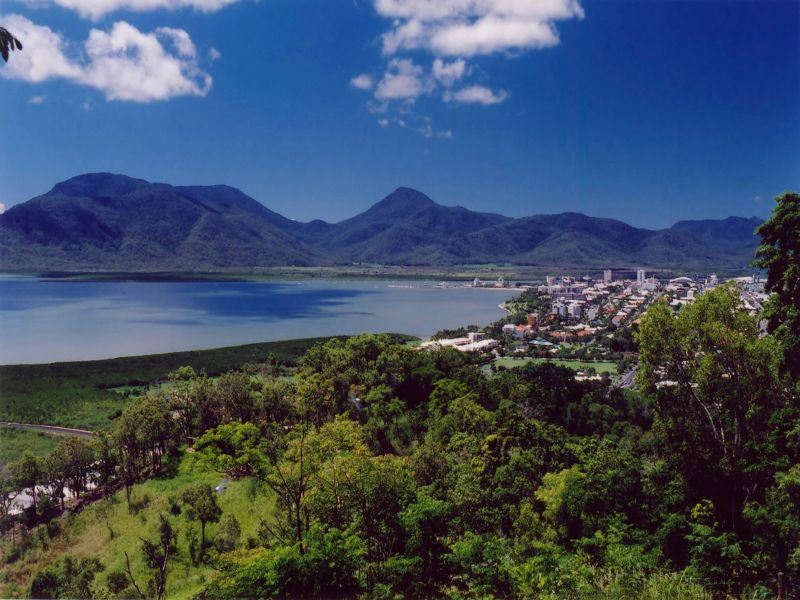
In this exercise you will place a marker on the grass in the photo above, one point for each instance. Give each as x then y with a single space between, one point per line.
86 534
577 365
90 394
15 442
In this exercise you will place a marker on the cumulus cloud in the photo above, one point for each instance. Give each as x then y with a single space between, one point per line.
123 62
473 27
2 208
448 73
214 54
457 33
36 100
95 9
403 80
477 94
362 82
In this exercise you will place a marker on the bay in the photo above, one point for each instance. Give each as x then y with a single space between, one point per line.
48 321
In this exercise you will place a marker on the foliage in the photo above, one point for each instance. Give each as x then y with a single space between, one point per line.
203 507
382 471
8 43
69 578
89 394
779 254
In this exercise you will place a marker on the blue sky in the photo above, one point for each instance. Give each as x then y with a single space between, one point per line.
648 111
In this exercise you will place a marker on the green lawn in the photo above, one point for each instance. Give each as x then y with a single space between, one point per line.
577 365
87 535
14 443
90 394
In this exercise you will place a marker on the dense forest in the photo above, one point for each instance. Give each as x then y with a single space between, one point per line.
392 472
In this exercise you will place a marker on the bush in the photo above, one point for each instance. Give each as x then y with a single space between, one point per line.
228 533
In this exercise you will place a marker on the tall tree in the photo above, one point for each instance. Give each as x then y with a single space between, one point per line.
205 509
717 389
28 473
779 254
157 555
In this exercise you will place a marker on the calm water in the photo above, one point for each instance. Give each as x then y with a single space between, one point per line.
45 321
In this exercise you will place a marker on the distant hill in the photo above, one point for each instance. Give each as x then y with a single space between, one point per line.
102 221
113 222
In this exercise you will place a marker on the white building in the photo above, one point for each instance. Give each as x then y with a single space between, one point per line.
640 276
607 276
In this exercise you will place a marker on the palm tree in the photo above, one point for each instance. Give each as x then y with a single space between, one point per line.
7 43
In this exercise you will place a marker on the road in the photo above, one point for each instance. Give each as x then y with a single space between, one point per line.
51 429
626 380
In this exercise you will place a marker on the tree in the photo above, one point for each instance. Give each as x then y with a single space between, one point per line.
27 473
237 449
77 457
8 43
717 392
156 556
204 508
69 578
779 254
328 568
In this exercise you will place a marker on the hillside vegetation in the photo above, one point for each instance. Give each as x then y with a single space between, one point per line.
383 471
90 394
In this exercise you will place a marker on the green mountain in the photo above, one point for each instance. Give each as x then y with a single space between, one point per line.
113 222
102 221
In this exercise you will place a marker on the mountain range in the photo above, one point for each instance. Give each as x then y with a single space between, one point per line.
103 221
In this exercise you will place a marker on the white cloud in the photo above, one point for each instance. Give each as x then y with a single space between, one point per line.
403 80
123 63
36 100
477 94
95 9
2 208
362 82
43 57
448 73
383 122
473 27
428 132
214 54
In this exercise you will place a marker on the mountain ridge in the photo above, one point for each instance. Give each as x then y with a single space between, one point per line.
105 221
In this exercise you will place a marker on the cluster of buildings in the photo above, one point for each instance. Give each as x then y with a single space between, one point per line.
499 284
590 300
583 309
475 341
684 290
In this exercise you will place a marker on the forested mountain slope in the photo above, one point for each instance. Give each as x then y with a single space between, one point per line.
102 221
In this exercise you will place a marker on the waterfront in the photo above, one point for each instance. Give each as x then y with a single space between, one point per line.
47 321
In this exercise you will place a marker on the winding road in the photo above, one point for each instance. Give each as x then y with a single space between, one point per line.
50 429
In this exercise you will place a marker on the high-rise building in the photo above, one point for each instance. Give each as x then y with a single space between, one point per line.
551 280
607 276
640 276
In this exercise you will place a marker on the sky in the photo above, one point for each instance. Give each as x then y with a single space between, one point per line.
648 111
